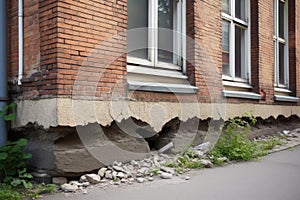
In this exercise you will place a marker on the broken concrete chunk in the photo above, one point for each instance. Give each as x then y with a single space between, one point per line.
108 174
93 178
204 147
206 163
120 175
166 148
222 159
140 180
114 175
168 170
119 169
83 179
69 188
165 175
102 171
135 163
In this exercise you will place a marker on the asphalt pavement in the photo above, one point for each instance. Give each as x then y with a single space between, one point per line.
273 177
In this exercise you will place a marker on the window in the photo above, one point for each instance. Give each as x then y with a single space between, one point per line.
156 33
235 40
281 43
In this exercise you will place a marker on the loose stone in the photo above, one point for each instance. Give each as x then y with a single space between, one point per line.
165 175
93 178
69 188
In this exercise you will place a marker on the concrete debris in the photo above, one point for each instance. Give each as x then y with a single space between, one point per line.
165 175
69 188
119 169
140 180
168 170
83 179
166 148
120 175
222 159
146 170
93 178
102 171
108 174
204 147
206 163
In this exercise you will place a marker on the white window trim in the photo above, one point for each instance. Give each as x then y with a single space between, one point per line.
179 39
241 94
277 41
235 21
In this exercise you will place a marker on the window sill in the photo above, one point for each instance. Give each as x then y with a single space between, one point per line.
162 87
283 90
243 95
236 84
155 72
286 98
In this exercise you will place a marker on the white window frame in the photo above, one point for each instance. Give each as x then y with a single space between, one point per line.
277 41
179 38
246 26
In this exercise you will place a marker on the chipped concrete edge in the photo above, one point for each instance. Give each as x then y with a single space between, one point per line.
67 112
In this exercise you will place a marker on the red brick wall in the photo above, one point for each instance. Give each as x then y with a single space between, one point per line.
204 26
297 42
63 37
294 44
262 48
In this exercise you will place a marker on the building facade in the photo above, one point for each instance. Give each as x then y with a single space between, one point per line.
104 61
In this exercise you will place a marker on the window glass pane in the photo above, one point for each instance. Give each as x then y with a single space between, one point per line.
225 47
240 9
281 64
165 37
226 6
137 39
240 64
281 19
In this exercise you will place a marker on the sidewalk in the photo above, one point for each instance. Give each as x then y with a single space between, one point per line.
275 177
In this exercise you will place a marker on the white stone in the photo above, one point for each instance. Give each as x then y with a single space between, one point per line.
204 147
108 174
69 188
140 180
102 171
206 163
83 179
165 175
135 163
119 169
114 175
120 175
93 178
222 159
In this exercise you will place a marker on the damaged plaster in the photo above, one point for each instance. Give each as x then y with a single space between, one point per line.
67 112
